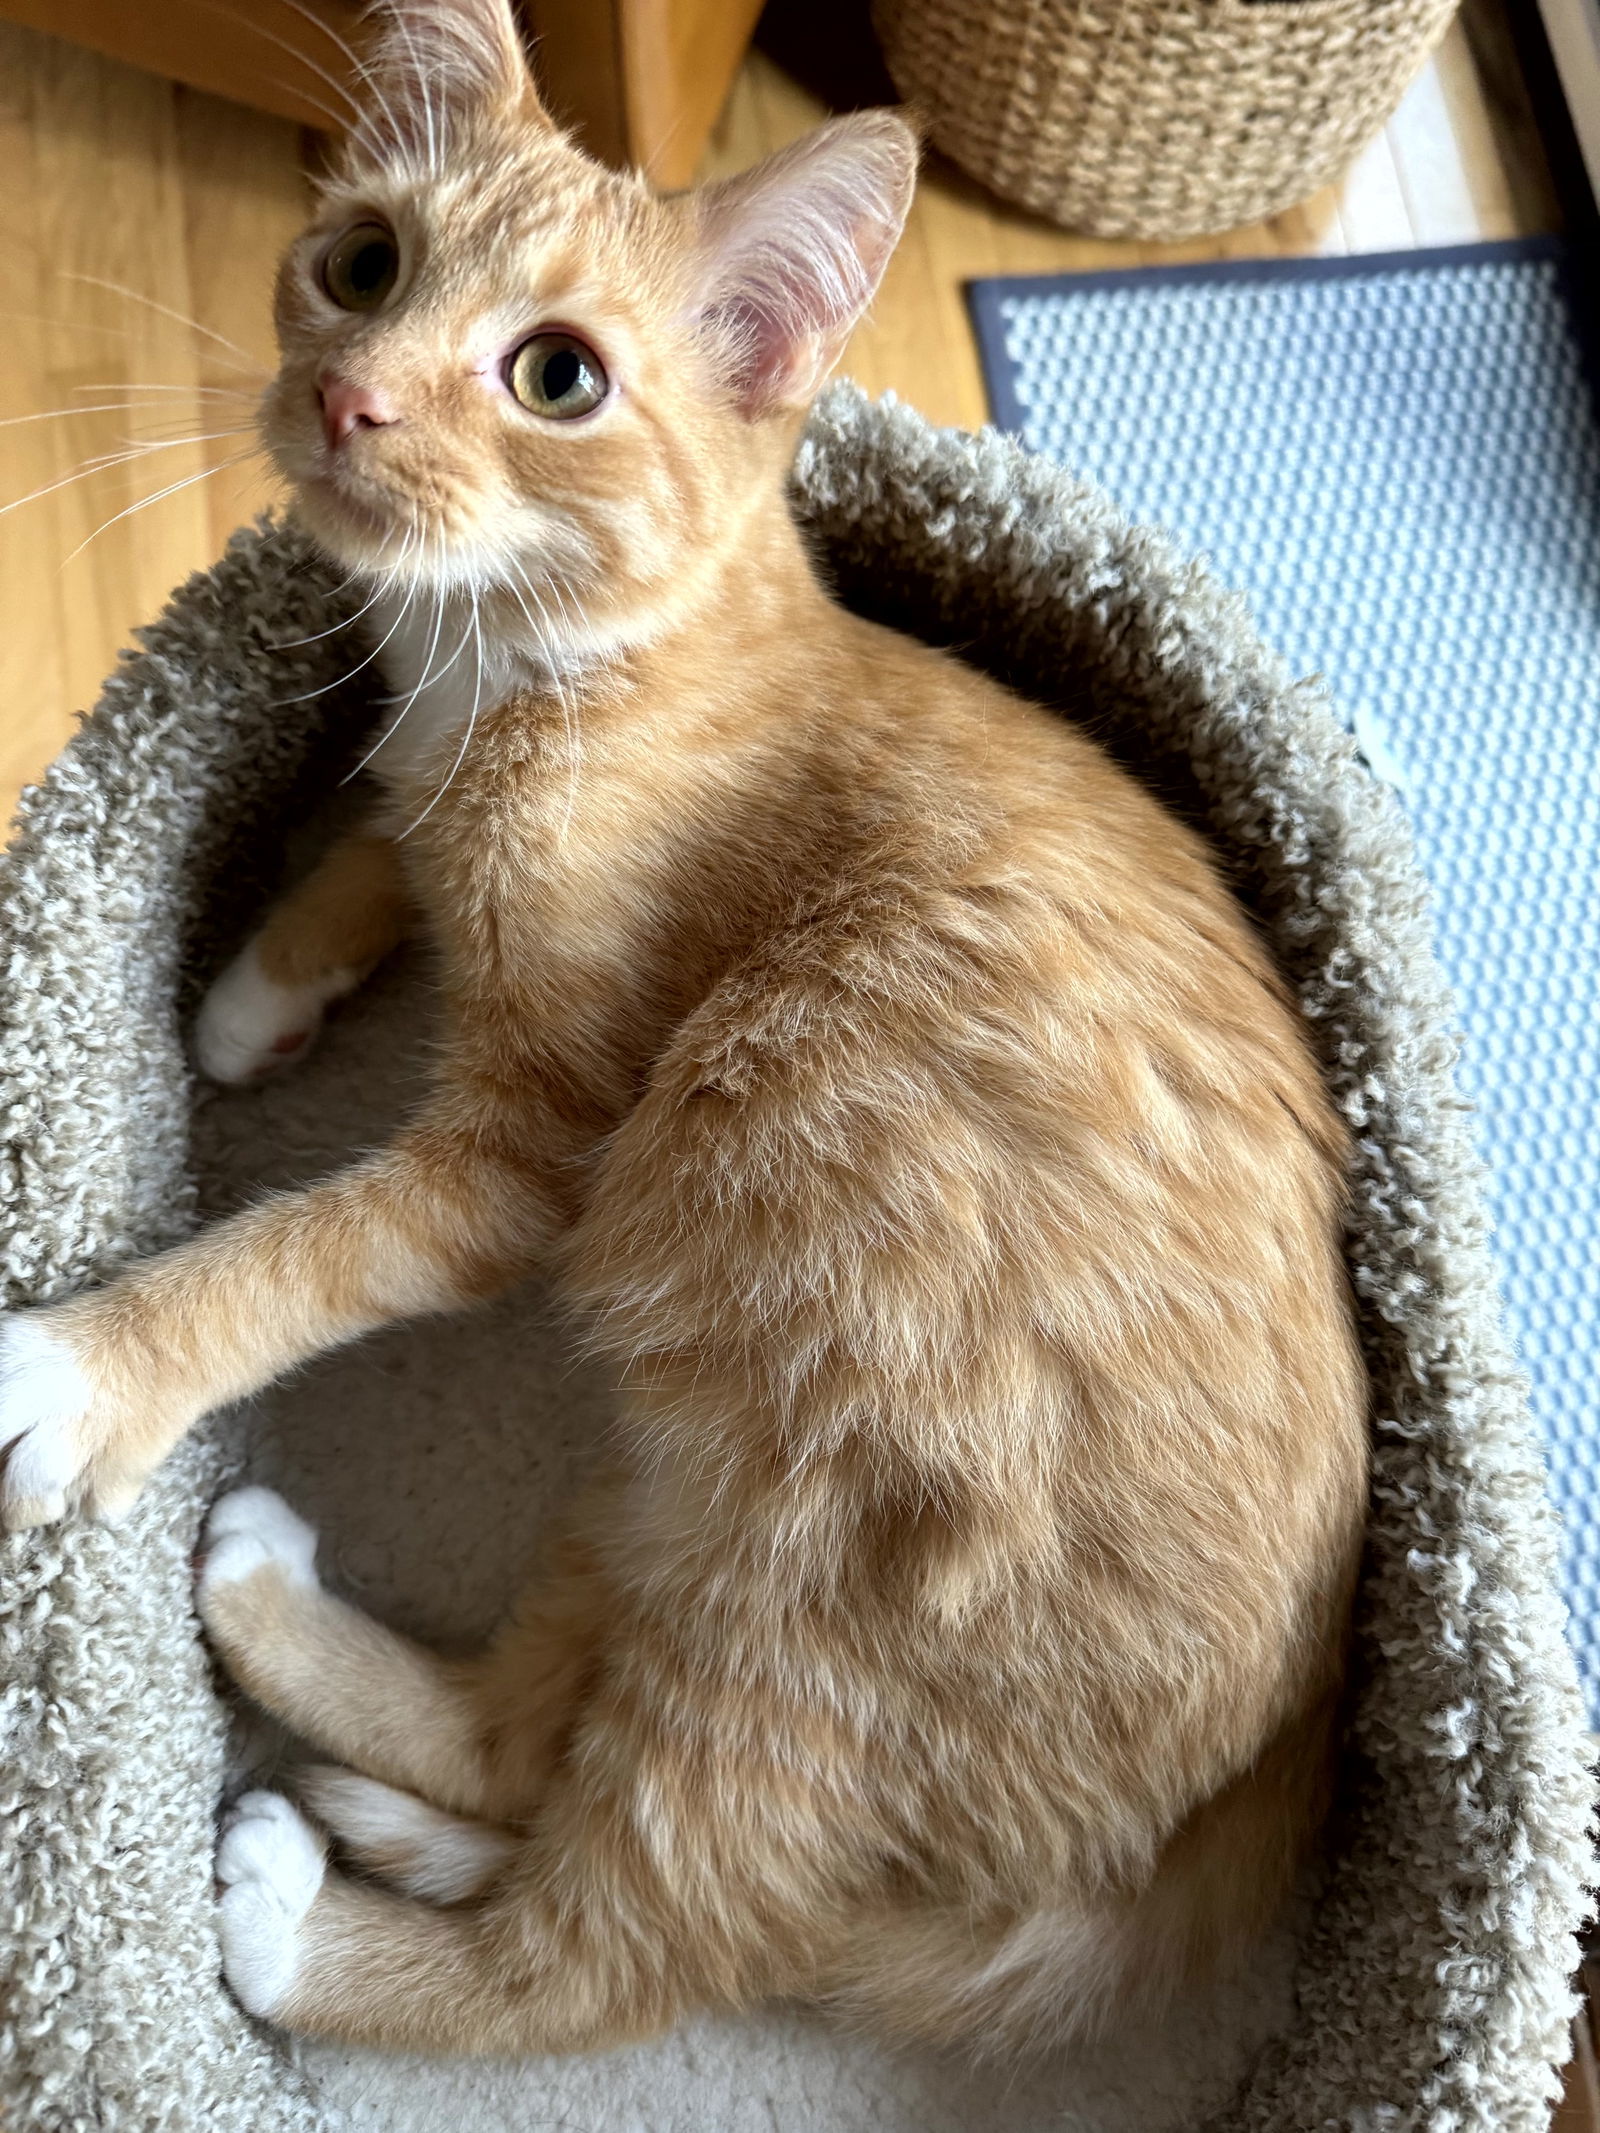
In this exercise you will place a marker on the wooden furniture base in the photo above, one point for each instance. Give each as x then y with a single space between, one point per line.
640 81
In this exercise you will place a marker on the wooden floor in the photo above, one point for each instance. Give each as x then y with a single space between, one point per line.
114 175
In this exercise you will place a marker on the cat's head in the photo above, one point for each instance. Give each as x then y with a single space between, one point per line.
501 358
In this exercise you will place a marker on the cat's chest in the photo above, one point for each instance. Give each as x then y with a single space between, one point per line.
442 673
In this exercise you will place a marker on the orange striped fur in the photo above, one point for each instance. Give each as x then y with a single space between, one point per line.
955 1633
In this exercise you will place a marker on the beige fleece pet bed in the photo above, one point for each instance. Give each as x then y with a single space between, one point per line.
1423 1984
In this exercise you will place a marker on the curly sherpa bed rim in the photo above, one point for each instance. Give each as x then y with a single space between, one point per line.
1434 1988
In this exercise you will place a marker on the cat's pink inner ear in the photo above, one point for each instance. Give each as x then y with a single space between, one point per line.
793 251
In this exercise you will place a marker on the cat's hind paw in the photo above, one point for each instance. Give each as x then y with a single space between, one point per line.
251 1027
249 1530
269 1869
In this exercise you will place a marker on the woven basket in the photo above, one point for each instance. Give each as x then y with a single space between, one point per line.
1155 118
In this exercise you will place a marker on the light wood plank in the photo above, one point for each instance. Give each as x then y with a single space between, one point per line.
114 174
678 58
1444 151
245 197
1372 203
264 53
1579 2108
33 691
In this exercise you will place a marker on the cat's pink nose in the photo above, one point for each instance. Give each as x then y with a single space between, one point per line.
347 408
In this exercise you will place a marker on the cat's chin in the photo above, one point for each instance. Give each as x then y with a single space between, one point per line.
356 532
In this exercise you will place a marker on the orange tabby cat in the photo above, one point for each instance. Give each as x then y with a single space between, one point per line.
956 1632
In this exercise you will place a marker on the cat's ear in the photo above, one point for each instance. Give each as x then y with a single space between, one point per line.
436 62
792 252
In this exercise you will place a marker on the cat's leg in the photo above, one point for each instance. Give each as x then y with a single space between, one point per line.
571 1949
318 943
416 1848
687 1851
355 1689
477 1734
95 1391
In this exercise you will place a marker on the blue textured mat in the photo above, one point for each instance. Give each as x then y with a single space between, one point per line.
1398 459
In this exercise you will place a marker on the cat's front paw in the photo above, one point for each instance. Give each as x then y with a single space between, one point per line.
46 1441
269 1869
250 1026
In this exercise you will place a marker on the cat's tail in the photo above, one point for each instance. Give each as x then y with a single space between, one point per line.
1066 1972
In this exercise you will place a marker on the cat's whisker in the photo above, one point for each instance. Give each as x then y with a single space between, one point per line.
402 21
76 326
307 695
167 444
336 120
93 407
344 623
141 385
460 647
568 617
60 414
568 721
326 29
182 318
296 52
355 121
466 738
428 679
394 725
99 464
364 72
234 459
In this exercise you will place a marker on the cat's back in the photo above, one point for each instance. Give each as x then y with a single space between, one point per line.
1008 1063
1076 895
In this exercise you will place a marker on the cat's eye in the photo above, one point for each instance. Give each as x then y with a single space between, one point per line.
361 267
555 375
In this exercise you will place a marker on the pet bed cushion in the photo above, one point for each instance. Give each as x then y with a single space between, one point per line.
1425 1981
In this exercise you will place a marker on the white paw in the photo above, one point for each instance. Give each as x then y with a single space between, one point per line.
269 1863
250 1026
45 1396
246 1531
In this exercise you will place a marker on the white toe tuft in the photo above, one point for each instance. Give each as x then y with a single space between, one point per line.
247 1531
270 1865
44 1396
250 1026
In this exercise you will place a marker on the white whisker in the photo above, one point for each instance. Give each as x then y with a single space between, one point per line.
167 444
138 385
306 695
119 333
569 728
345 621
135 296
59 414
403 25
466 738
337 121
234 459
364 71
98 465
433 646
94 407
358 117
